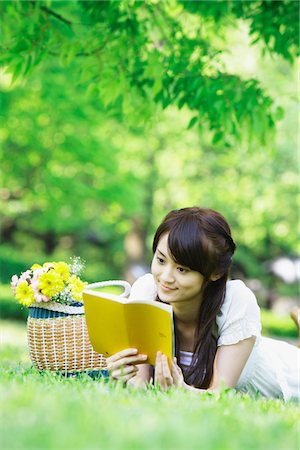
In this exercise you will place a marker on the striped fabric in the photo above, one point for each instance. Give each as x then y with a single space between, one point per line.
41 313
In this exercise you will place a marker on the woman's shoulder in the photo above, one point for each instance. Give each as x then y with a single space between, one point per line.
239 316
239 303
236 285
237 291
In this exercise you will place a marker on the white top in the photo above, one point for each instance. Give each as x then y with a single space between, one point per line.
273 367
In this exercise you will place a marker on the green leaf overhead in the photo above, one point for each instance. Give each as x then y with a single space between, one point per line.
167 53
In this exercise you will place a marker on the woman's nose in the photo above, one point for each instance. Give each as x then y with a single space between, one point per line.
167 274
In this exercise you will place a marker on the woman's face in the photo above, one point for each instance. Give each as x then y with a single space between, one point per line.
175 283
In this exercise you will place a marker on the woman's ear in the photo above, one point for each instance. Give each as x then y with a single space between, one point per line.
215 277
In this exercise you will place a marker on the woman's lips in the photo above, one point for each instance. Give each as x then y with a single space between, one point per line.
166 288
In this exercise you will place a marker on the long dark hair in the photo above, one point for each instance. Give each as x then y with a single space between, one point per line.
200 238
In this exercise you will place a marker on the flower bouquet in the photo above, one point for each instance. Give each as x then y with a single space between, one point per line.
53 282
57 334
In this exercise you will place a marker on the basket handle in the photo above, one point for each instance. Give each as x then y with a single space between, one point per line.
124 284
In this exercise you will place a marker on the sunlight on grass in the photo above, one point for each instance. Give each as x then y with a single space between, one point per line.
13 332
274 325
48 411
13 338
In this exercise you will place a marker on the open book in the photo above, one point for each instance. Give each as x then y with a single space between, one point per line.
116 323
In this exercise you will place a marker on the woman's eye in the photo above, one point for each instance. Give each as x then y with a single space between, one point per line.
181 269
160 260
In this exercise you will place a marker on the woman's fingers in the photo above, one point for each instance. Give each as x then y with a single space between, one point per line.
166 370
163 375
121 365
123 358
115 359
122 354
125 370
125 373
158 370
126 361
134 359
126 378
177 373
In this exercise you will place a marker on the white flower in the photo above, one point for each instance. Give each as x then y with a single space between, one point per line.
14 282
25 276
77 265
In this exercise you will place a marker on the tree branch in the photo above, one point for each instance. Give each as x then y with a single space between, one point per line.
54 14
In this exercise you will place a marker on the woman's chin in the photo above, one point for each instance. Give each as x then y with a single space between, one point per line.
166 298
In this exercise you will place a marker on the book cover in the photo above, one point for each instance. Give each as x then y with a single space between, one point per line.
115 324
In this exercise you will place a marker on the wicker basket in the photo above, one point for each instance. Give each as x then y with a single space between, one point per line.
58 338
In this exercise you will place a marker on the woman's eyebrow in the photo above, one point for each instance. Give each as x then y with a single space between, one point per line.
161 253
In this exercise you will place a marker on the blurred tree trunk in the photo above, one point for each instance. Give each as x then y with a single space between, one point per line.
135 243
50 242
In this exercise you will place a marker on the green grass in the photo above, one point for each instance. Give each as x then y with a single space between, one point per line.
274 325
48 411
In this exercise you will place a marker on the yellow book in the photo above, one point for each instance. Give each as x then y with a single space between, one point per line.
116 323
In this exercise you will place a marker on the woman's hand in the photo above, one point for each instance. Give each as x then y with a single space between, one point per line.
122 365
178 375
165 377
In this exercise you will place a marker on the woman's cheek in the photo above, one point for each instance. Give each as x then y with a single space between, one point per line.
154 269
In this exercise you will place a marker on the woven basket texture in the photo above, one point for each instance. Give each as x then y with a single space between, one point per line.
62 344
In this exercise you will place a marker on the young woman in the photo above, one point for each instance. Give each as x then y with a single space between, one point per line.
217 322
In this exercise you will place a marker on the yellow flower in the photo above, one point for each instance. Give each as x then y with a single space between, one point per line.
35 266
62 269
50 283
76 286
24 294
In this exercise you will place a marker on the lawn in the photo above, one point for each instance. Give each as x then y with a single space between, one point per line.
48 411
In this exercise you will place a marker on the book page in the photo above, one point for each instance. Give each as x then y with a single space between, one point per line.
106 324
150 329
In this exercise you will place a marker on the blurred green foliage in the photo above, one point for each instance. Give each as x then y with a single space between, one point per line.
96 103
162 52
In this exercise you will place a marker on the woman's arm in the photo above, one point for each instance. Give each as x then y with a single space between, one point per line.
229 363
